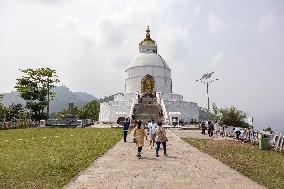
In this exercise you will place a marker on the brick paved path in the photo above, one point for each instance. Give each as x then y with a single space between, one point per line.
185 167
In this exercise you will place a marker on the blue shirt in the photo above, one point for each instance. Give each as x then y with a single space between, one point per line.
125 125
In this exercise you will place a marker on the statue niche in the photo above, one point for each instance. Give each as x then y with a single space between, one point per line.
147 84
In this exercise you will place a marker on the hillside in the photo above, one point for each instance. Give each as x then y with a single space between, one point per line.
62 98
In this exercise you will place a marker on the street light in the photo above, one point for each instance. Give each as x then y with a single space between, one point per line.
205 79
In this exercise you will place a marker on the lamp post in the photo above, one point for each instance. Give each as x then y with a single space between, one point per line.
205 79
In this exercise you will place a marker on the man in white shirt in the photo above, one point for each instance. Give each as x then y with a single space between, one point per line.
152 132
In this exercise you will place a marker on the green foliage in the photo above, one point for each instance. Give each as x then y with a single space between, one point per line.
229 116
11 112
34 87
90 111
2 109
268 129
264 167
203 114
50 158
14 111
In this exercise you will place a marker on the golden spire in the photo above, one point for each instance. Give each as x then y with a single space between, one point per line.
148 33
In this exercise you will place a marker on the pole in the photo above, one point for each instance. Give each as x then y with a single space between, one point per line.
205 80
207 84
47 109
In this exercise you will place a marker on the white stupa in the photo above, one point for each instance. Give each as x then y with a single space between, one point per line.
148 73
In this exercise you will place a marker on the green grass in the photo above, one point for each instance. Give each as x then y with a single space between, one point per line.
264 167
51 157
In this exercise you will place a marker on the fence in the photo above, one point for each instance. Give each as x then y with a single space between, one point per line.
276 140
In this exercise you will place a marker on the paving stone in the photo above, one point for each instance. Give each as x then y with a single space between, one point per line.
185 167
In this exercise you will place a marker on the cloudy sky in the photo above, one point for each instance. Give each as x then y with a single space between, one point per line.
90 43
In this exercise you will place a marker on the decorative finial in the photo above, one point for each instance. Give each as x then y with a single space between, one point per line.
148 33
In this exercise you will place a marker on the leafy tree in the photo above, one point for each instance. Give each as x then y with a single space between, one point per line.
90 111
229 116
14 111
268 129
35 87
2 109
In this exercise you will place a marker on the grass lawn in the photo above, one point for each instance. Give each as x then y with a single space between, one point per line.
50 157
264 167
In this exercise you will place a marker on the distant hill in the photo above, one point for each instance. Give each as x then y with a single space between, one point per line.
62 99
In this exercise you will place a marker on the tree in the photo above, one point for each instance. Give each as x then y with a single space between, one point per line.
35 87
2 109
229 116
13 111
90 111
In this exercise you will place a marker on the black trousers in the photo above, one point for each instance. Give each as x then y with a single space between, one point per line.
164 147
139 149
238 133
210 132
125 135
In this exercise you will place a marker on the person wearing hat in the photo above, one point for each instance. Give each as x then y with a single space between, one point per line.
152 132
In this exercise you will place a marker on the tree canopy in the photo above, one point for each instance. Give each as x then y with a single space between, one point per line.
90 110
34 87
229 116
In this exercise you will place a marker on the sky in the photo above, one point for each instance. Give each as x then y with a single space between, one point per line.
90 43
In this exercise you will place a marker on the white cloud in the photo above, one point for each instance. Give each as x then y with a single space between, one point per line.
268 22
215 24
197 10
219 58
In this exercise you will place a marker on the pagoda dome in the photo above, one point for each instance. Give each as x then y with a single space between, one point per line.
148 63
148 59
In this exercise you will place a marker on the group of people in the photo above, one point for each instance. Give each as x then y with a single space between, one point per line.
207 124
223 130
156 133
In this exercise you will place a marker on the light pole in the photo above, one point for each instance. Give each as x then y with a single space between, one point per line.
206 80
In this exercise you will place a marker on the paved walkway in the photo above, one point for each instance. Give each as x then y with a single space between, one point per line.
197 134
185 167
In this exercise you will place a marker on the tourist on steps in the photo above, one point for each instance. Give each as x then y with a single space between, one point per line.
125 128
152 126
139 134
161 138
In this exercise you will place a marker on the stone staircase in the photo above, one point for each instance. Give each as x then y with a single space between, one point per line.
147 109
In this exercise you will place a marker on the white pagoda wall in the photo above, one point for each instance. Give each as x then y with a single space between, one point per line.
162 78
109 110
188 110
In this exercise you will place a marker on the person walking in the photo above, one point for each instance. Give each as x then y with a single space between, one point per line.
203 127
161 138
174 122
210 128
125 128
139 134
152 126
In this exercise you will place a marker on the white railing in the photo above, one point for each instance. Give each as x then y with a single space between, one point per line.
131 108
161 102
276 141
